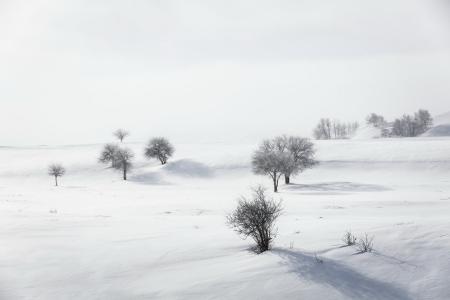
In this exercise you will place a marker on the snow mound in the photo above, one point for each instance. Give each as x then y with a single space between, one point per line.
442 119
190 168
439 130
367 132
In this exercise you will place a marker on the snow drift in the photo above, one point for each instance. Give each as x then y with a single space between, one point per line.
162 234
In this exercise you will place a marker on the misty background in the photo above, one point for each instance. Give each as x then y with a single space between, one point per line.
73 71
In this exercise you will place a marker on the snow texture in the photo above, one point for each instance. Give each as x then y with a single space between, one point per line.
162 234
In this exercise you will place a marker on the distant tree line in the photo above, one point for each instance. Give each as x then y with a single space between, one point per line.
328 129
406 126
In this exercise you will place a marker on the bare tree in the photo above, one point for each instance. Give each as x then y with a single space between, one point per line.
256 218
271 160
56 170
159 148
375 120
411 126
302 154
123 161
327 129
108 154
404 127
121 134
323 130
423 121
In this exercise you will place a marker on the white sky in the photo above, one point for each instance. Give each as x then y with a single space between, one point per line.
72 71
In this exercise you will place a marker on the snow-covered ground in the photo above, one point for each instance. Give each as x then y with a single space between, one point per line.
441 126
162 234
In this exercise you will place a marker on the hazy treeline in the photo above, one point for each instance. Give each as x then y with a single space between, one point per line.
405 126
328 129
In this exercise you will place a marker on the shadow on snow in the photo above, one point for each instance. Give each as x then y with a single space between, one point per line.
188 168
345 280
338 186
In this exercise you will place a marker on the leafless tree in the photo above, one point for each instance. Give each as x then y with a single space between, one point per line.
159 148
323 130
301 151
121 134
108 154
56 170
405 127
423 121
375 120
123 161
327 129
411 126
256 218
270 160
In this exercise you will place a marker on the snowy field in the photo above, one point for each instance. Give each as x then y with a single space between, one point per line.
162 234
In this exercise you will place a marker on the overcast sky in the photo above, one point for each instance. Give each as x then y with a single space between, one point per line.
72 71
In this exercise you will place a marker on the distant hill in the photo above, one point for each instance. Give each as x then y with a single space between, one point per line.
439 130
442 119
441 126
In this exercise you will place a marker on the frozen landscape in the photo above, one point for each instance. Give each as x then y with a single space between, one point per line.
163 235
141 142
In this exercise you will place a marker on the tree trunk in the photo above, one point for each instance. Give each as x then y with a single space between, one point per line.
56 180
287 179
124 173
275 185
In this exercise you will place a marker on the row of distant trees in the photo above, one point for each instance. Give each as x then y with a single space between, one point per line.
121 158
328 129
405 126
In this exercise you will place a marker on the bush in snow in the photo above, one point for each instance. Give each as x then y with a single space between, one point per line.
108 154
159 148
120 134
256 218
349 239
365 244
56 170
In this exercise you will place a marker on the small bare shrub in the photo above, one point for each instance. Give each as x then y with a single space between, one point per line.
317 259
365 244
349 239
256 218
